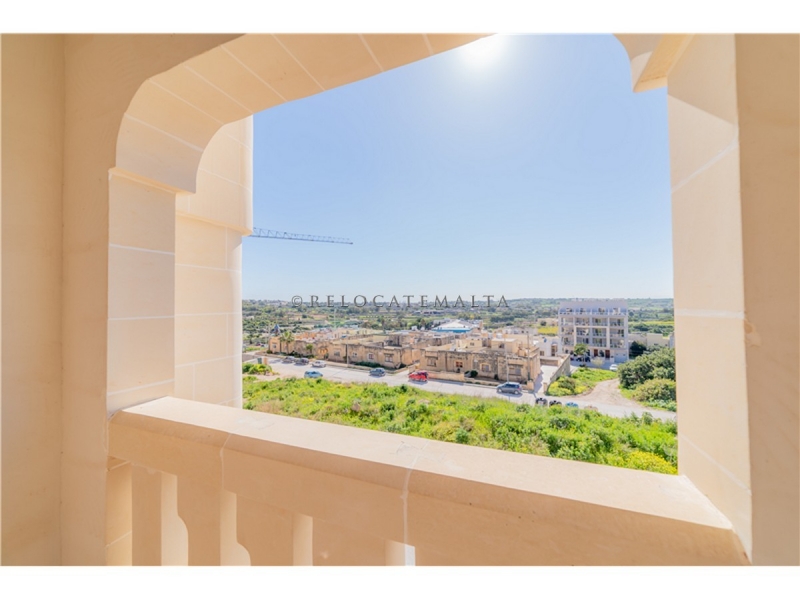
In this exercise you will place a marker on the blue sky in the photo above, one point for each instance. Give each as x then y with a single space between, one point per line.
521 166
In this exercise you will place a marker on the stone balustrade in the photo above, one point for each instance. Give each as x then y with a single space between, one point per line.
214 485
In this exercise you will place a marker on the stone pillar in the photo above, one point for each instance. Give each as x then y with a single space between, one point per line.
733 120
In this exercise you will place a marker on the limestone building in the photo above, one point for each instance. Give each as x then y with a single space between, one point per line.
601 325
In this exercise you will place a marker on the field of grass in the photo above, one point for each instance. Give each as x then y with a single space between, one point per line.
582 380
560 432
547 330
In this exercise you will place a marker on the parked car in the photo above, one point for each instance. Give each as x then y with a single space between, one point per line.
288 360
510 387
379 372
312 374
318 363
614 367
418 376
572 404
301 361
555 403
541 402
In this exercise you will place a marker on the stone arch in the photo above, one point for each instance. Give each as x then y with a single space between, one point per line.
723 109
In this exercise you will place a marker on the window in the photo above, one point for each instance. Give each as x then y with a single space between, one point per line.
459 364
388 358
485 368
431 362
337 353
370 356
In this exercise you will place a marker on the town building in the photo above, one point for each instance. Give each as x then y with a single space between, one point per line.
455 327
391 351
485 357
601 325
652 340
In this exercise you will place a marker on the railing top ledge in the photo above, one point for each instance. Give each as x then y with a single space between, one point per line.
192 439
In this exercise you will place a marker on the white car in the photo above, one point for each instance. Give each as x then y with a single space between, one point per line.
318 363
613 367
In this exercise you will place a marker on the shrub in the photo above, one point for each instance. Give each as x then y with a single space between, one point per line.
255 369
659 393
566 386
647 461
655 365
639 443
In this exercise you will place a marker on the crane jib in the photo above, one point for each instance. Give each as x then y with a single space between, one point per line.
299 237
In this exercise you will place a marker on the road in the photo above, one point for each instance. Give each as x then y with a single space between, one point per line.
605 396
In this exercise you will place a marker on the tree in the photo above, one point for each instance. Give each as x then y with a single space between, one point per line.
310 348
654 365
287 337
581 349
636 350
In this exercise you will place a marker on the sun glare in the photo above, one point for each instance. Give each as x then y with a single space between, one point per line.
485 51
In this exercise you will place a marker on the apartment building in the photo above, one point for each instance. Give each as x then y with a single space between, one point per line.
602 325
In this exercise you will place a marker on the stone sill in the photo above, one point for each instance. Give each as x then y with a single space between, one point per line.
457 504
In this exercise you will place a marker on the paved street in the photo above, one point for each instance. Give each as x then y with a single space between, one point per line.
605 396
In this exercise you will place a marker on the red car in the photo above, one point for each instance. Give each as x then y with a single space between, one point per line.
419 376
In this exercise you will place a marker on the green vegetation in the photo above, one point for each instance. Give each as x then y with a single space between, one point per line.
548 330
575 434
658 393
651 378
582 380
662 327
636 350
255 369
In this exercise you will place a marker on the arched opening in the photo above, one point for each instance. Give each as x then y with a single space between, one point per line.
706 81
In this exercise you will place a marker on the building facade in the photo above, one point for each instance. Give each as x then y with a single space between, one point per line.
601 325
392 351
498 359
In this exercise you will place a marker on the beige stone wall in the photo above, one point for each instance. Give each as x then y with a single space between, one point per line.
208 270
733 123
32 140
102 75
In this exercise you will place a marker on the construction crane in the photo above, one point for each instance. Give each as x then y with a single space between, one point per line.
298 237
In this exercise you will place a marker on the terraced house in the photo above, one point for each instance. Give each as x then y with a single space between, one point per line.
391 351
126 189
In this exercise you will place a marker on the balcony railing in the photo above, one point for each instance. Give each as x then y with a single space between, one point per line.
214 485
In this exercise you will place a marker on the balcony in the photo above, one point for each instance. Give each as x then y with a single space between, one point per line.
214 485
127 172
